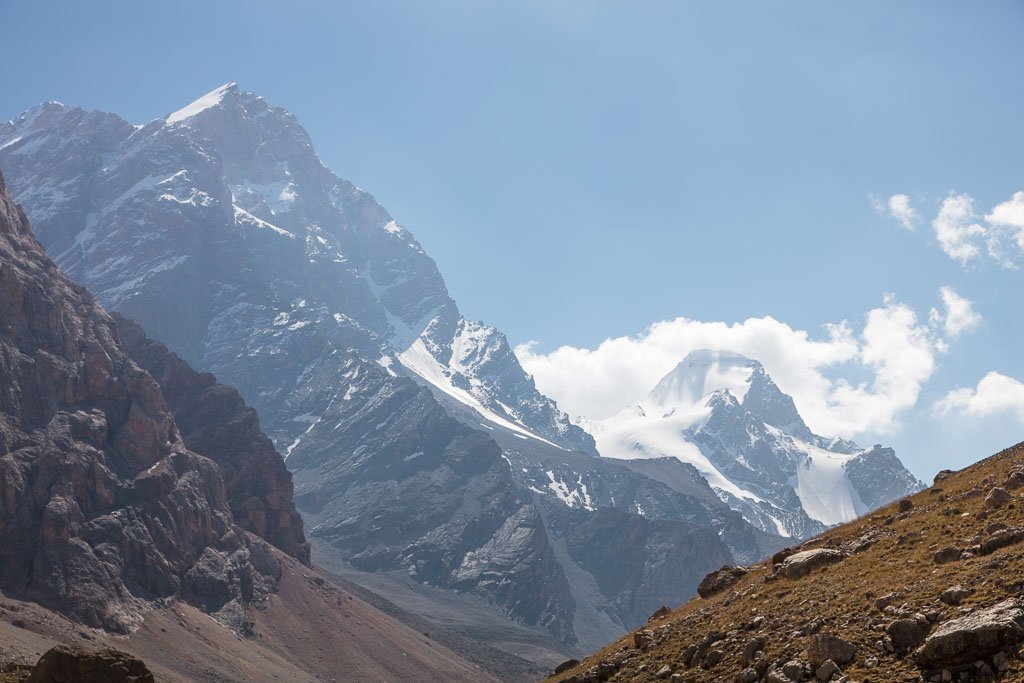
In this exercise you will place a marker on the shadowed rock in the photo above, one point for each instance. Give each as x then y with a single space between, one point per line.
67 664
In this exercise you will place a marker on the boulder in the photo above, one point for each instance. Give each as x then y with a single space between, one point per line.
998 497
803 563
907 634
1001 539
68 664
1014 481
826 671
946 555
719 580
973 637
823 647
955 595
566 665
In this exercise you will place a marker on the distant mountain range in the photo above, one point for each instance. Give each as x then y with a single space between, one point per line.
420 449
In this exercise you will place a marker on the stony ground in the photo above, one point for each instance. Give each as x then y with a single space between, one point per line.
926 589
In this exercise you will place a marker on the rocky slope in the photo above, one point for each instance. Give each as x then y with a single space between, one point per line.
926 589
103 509
214 421
418 444
113 518
310 629
721 412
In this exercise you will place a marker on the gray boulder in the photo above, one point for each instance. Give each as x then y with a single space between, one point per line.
823 647
973 637
803 563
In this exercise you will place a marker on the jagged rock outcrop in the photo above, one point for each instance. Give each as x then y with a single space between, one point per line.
214 421
102 506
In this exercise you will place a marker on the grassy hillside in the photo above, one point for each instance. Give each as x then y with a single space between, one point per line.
906 573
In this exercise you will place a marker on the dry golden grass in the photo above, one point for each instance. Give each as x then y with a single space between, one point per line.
844 594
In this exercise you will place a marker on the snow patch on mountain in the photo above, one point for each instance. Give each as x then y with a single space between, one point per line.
210 99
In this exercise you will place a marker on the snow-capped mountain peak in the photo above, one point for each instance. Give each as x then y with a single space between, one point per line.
701 373
210 99
722 413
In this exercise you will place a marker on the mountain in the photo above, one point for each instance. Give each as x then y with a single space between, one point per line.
104 508
133 509
926 589
720 412
426 464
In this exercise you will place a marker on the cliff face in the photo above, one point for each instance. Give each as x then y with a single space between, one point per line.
215 422
102 506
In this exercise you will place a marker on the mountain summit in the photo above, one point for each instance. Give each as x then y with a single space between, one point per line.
722 413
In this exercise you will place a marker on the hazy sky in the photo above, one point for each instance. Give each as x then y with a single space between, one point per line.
584 170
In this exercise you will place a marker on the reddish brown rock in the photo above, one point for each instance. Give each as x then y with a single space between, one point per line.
102 506
215 421
67 664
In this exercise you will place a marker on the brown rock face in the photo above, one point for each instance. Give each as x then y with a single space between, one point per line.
215 422
65 664
102 506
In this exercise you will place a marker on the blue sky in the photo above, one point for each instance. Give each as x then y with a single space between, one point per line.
582 170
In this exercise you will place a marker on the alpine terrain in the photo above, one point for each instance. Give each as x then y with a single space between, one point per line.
723 414
426 464
122 527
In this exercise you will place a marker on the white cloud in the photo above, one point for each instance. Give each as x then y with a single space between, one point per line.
995 394
843 383
898 206
965 236
1007 230
959 315
959 236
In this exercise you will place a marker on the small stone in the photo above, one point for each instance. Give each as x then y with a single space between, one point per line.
712 658
946 555
826 671
664 672
643 639
793 670
747 675
662 611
